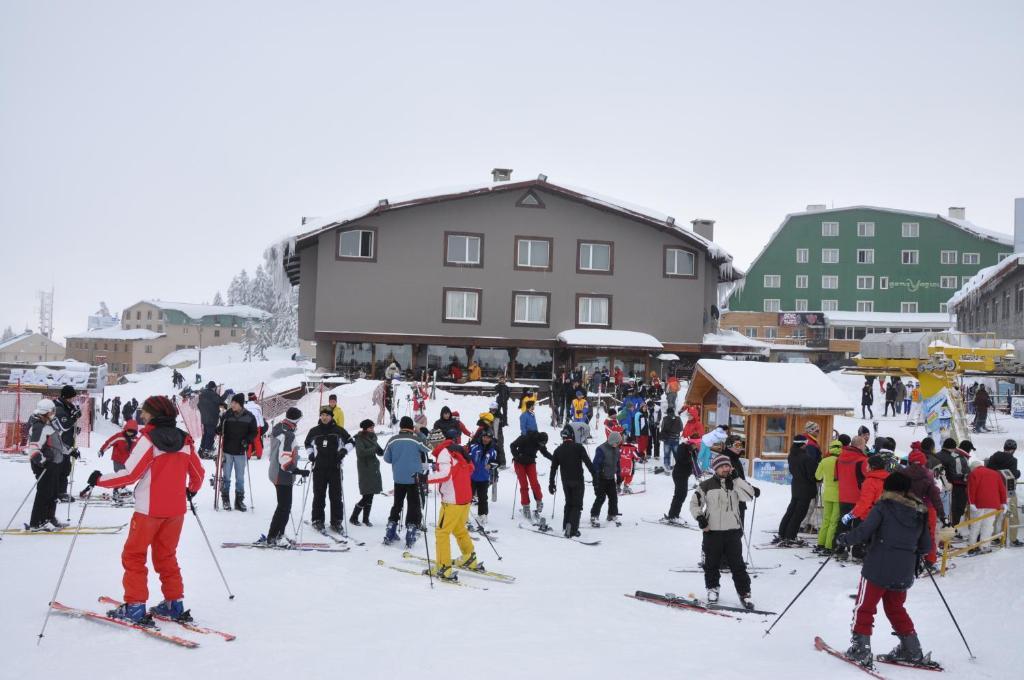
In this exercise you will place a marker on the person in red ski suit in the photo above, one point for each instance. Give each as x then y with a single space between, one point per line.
122 443
693 426
167 469
628 455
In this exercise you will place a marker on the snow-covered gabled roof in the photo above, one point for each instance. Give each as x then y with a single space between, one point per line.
116 334
932 320
194 311
16 338
726 270
984 278
603 337
732 339
768 387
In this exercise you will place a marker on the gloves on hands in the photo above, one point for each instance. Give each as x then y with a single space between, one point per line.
101 452
311 454
1002 508
190 494
840 541
757 492
551 489
702 521
728 483
75 453
302 472
94 477
919 566
946 522
847 518
974 511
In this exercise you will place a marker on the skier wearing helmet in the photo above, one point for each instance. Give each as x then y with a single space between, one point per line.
46 453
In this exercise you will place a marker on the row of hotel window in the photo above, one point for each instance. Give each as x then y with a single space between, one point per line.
867 229
834 333
531 252
462 305
867 256
980 315
866 282
801 305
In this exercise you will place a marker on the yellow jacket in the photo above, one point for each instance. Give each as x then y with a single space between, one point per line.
339 416
474 371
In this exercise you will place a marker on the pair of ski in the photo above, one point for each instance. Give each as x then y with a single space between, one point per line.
928 665
485 574
338 537
700 570
547 530
151 631
677 523
296 547
66 531
424 572
692 603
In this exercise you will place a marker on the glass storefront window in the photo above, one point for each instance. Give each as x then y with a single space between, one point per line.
352 357
385 354
593 364
533 364
440 358
494 361
775 435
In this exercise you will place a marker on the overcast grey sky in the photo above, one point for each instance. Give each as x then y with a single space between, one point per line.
152 149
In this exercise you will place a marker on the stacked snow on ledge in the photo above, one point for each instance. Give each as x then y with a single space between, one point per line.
761 385
196 311
600 337
117 334
734 339
978 281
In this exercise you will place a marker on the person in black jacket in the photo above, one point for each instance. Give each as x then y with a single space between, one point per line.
571 458
803 489
237 429
955 461
867 398
890 398
326 445
66 415
557 402
209 413
115 411
897 532
1005 461
524 452
501 395
682 468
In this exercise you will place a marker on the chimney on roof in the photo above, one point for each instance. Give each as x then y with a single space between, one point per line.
705 228
501 174
815 207
1018 226
957 213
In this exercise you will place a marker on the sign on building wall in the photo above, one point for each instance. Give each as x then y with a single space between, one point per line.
1017 405
775 471
801 319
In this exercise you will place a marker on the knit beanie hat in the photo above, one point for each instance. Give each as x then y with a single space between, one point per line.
812 427
367 424
160 406
68 392
292 414
800 439
406 423
615 438
238 399
435 437
918 457
897 482
327 410
949 443
720 461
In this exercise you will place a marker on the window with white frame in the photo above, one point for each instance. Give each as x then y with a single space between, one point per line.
830 229
751 331
909 256
865 229
771 332
680 262
908 308
801 280
829 255
948 257
865 305
830 282
772 304
533 253
595 257
947 281
943 308
356 243
800 305
866 256
883 283
531 309
462 305
462 249
971 258
1002 256
593 311
865 283
911 229
802 255
772 281
964 280
830 305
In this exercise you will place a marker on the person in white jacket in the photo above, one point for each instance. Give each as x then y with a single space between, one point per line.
708 443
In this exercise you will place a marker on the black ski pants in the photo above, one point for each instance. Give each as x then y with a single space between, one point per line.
279 522
44 506
64 470
858 550
480 491
865 410
727 545
503 410
889 404
327 485
410 494
603 488
958 502
789 527
573 504
681 480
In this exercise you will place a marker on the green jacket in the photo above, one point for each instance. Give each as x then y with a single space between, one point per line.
367 464
826 474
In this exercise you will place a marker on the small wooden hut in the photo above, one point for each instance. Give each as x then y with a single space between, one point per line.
768 403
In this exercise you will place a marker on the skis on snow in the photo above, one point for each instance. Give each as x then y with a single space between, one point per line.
700 570
552 533
423 572
66 531
678 524
103 618
675 603
823 646
489 575
337 537
187 625
926 665
306 547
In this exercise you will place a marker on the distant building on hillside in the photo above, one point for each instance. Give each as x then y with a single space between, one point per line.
123 350
102 319
29 348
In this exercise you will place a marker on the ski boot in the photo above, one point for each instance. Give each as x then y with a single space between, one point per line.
567 530
225 501
671 520
391 534
134 614
626 488
318 524
412 533
56 524
39 528
366 517
594 523
445 573
907 651
860 650
526 513
747 603
337 528
240 501
354 519
712 595
539 509
172 609
471 563
776 540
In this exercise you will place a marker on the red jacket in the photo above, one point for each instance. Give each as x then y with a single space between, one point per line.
122 447
453 476
161 460
627 454
693 427
870 492
986 488
851 468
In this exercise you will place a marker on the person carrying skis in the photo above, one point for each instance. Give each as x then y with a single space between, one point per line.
606 471
407 455
524 461
237 430
122 443
483 456
283 466
452 474
167 469
326 447
896 531
368 451
46 452
715 506
570 457
629 455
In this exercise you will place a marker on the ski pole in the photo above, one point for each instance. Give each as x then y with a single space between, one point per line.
24 500
484 532
305 480
67 559
71 485
252 495
554 503
430 572
936 584
750 539
515 491
231 595
344 514
302 511
779 617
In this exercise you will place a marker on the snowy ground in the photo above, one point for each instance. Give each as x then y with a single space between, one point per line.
319 615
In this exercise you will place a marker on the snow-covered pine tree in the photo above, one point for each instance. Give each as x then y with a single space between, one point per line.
218 300
8 334
240 290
